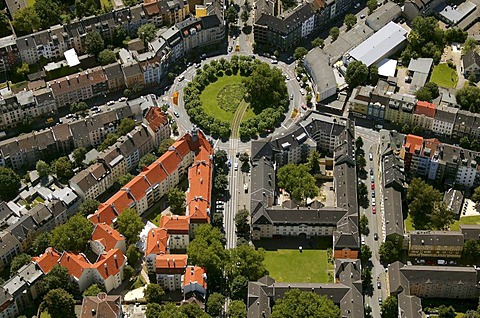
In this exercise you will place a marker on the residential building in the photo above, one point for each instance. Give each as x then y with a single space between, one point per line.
173 38
400 109
360 100
414 8
319 69
444 244
157 243
470 231
200 32
169 270
9 54
133 75
173 12
105 238
152 67
195 282
102 305
389 11
444 120
157 122
393 190
178 228
454 201
11 247
423 115
114 75
471 64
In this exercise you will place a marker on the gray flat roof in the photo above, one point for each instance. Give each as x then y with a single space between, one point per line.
379 44
458 14
320 69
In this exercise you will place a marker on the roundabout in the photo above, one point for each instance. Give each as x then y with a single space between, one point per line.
241 97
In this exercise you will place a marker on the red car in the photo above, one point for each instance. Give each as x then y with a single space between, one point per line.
373 186
374 210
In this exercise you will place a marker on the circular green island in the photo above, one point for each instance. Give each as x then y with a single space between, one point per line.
241 97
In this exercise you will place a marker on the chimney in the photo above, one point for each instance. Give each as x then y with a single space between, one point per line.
106 268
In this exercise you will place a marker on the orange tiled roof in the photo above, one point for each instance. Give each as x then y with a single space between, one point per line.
414 143
155 117
109 264
151 7
75 263
157 241
138 187
104 214
182 147
178 224
425 108
155 172
171 261
107 236
170 161
47 260
195 274
199 194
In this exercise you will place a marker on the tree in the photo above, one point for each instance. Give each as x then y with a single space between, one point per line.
358 143
299 53
92 290
422 198
164 145
314 162
49 12
153 293
244 158
334 33
357 74
63 168
446 312
110 139
237 309
79 107
170 310
366 277
129 224
476 195
58 277
317 42
365 254
89 206
364 225
220 158
390 307
125 178
128 272
133 254
471 250
192 310
176 200
469 45
441 216
428 92
79 154
41 243
106 57
94 43
23 70
42 168
9 184
245 16
297 181
296 303
147 32
126 125
215 304
26 19
241 221
468 98
18 261
372 5
231 15
389 252
72 236
361 163
153 310
426 39
146 160
59 303
362 192
220 183
350 20
456 35
373 74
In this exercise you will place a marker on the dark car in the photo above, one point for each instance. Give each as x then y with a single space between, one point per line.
375 237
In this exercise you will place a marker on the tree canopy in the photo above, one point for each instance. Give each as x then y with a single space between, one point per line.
296 303
43 169
297 181
106 57
231 14
58 277
389 252
153 293
146 160
390 307
241 221
9 184
92 290
428 92
126 125
215 304
41 242
129 224
468 98
125 178
299 53
164 145
26 19
18 261
318 42
176 200
79 155
94 43
350 20
237 309
334 33
59 303
357 74
422 199
63 168
476 195
147 32
72 236
89 206
48 11
426 39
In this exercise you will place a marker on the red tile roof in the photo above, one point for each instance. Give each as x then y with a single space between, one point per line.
47 260
155 172
182 147
75 263
414 143
107 236
138 187
172 261
199 193
195 274
104 214
170 161
425 108
157 241
109 264
155 117
175 224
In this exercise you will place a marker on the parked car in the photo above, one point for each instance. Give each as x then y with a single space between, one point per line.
235 166
372 186
110 103
374 210
375 236
122 99
371 171
370 156
176 114
198 65
380 300
230 49
372 178
362 16
373 193
373 201
291 96
379 285
274 61
442 262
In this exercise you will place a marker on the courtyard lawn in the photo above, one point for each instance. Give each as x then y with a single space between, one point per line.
444 76
465 220
289 265
155 218
210 96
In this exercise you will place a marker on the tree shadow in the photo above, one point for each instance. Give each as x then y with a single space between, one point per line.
247 29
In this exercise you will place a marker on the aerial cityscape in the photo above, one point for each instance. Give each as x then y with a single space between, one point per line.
240 159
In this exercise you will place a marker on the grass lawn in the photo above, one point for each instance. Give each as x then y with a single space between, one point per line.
104 3
444 76
222 90
45 314
465 220
289 265
30 2
409 224
155 218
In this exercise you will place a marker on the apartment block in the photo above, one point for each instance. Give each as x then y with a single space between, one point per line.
445 244
423 115
157 122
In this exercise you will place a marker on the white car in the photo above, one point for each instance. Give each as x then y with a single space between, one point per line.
302 91
357 5
235 166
